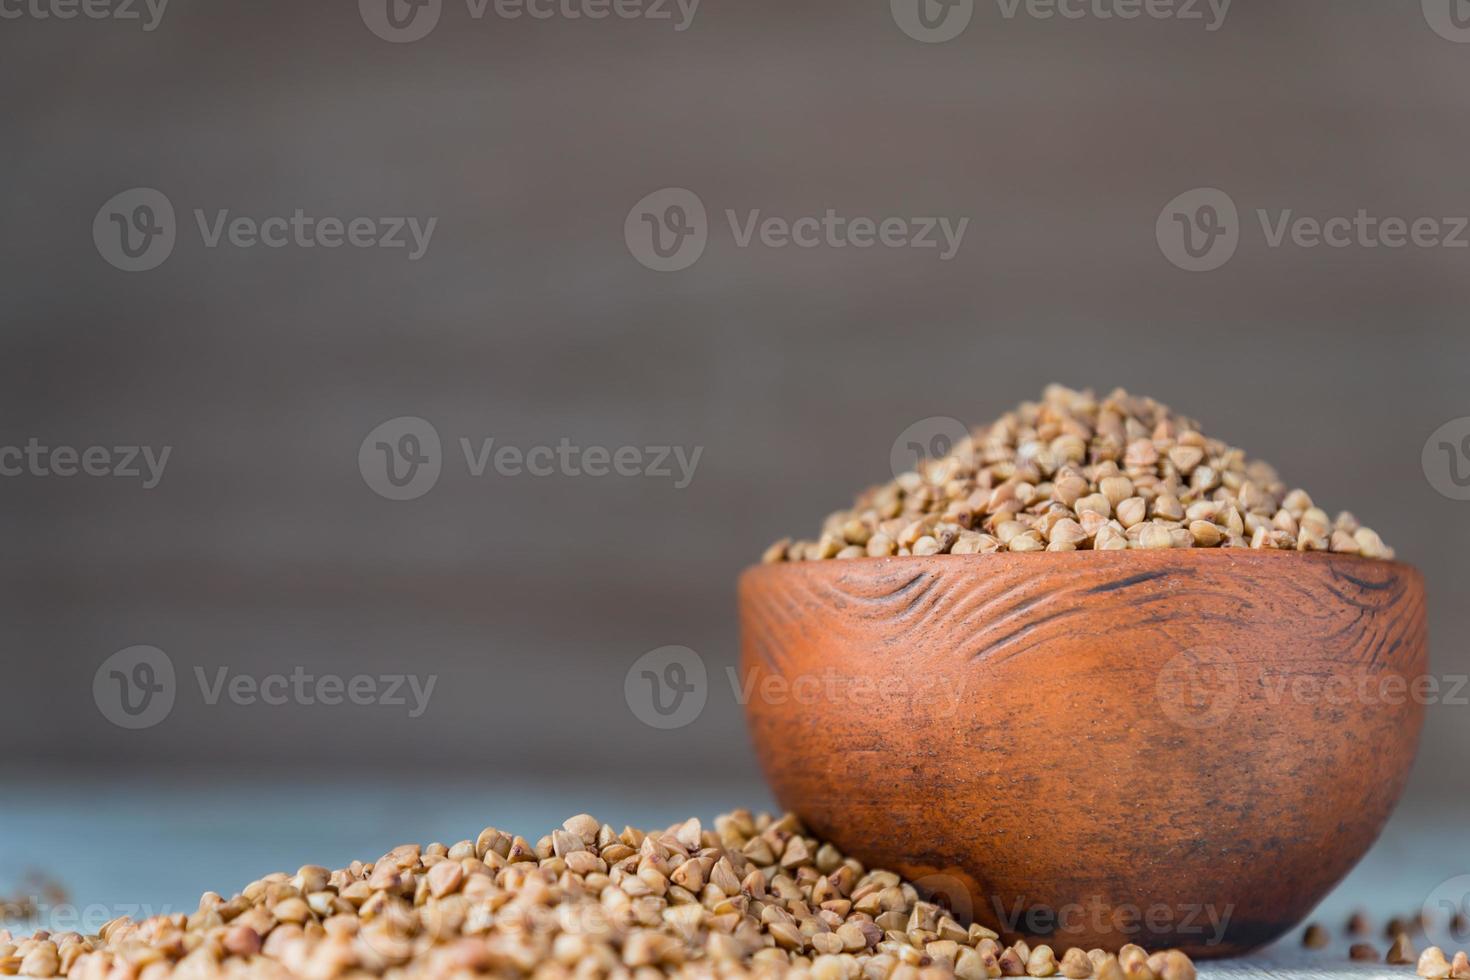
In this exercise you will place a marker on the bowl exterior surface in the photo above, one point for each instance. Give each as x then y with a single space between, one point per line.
1172 748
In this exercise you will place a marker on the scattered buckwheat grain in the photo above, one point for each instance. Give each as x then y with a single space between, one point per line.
1072 473
1075 964
1315 937
755 897
1432 964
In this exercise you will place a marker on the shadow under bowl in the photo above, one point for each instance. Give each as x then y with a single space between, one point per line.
1173 748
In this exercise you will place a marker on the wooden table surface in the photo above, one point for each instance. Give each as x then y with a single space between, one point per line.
132 846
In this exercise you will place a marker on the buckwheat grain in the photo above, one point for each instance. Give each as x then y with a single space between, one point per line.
1074 472
754 897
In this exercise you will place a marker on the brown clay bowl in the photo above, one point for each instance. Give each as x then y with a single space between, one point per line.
1173 748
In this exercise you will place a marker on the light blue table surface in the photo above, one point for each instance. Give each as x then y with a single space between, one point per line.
136 846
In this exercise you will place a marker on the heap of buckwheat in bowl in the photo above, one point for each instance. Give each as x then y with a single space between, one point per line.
756 896
1074 472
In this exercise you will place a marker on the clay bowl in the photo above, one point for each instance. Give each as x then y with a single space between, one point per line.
1173 748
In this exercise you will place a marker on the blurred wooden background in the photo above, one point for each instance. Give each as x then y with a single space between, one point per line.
529 321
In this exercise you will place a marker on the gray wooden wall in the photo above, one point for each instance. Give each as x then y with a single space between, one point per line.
528 320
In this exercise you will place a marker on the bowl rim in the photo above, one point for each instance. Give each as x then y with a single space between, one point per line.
1153 555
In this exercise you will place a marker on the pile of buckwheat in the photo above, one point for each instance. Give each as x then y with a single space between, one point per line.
1074 472
754 897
